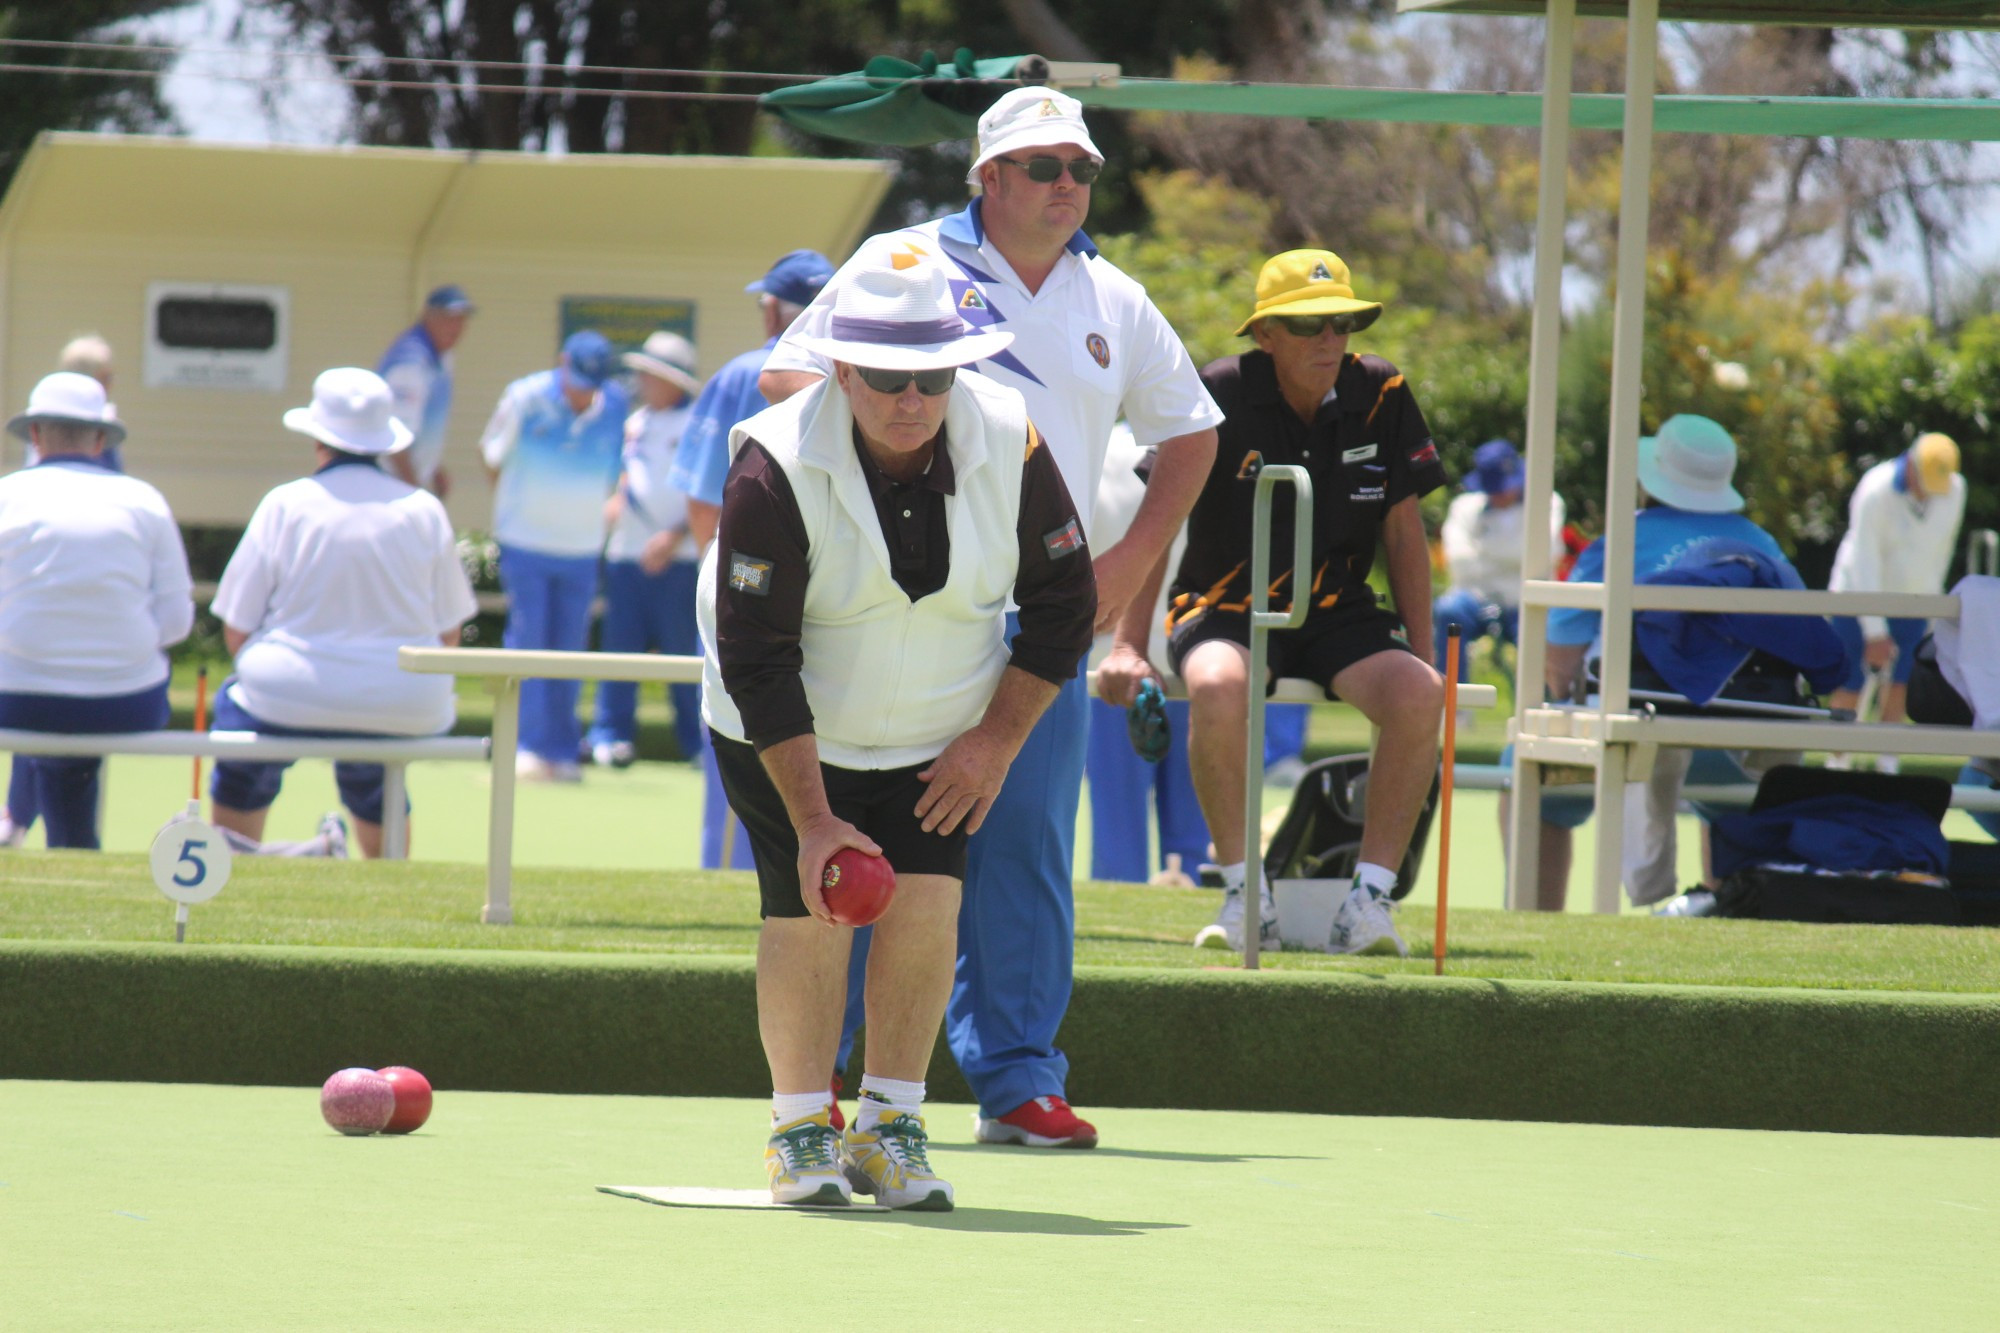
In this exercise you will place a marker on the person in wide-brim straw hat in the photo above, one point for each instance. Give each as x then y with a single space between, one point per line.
862 693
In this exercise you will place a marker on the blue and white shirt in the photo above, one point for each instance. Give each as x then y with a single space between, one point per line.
653 504
1662 537
731 395
419 376
1089 346
557 468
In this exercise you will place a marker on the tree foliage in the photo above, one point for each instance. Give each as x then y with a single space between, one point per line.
31 103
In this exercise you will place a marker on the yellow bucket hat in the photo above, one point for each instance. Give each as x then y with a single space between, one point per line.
1935 457
1307 282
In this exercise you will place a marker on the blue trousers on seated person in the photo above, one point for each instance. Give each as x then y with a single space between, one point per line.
1476 619
63 789
252 784
548 606
646 613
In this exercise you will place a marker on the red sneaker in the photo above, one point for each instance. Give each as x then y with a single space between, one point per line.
834 1117
1044 1122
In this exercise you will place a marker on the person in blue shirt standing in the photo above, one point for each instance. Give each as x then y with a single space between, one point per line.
418 369
553 449
701 463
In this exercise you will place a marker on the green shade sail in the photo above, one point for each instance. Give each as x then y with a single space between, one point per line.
899 103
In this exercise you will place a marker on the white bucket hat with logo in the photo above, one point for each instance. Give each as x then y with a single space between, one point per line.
1690 465
67 398
353 411
1030 118
669 356
902 318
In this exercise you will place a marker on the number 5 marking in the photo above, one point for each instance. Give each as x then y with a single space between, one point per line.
188 858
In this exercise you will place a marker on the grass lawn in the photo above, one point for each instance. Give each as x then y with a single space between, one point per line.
79 896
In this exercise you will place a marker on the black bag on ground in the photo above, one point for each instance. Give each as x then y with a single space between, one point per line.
1774 893
1931 698
1320 837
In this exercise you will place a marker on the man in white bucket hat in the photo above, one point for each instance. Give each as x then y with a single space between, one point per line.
862 693
94 588
1687 472
1088 348
336 571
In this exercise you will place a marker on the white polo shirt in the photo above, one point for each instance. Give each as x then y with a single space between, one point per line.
335 573
1088 346
93 582
1894 541
652 503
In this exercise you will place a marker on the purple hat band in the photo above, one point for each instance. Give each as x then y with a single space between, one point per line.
890 332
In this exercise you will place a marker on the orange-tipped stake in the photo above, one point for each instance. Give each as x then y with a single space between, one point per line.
200 722
1451 650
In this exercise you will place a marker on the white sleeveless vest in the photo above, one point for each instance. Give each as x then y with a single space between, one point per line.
890 682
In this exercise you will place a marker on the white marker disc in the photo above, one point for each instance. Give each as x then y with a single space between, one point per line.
190 861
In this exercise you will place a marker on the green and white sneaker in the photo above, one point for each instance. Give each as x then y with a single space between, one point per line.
1364 925
892 1162
803 1159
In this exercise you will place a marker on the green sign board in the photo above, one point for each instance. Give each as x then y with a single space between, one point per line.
626 320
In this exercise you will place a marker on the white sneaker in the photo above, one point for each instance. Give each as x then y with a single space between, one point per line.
11 834
1888 763
613 754
1226 932
532 767
1363 925
1840 761
333 832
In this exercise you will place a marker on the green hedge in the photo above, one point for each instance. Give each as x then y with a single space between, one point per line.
1761 1059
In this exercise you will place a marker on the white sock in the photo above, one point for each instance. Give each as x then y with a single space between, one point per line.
1235 876
882 1098
789 1106
1378 880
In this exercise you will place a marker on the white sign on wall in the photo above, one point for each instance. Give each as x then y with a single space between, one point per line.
206 335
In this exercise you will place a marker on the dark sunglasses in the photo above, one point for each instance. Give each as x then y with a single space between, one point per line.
930 383
1045 170
1311 326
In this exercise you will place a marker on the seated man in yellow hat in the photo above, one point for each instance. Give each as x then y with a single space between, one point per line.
1351 421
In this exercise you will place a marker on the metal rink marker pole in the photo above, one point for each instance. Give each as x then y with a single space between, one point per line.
1262 621
1452 648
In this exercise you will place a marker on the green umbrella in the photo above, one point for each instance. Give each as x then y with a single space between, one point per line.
896 102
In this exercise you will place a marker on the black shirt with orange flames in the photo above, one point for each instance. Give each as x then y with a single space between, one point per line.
1365 449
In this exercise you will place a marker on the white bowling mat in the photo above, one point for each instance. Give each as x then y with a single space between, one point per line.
696 1196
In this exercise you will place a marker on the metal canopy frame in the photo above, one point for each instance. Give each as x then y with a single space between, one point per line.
1618 744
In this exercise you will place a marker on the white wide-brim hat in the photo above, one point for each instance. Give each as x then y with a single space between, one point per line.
70 399
353 411
669 356
1030 118
890 318
1690 465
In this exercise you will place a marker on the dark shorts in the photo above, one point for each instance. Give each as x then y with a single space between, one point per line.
1327 644
253 784
881 802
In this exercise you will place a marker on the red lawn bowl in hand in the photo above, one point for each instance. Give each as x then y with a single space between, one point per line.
857 887
357 1101
413 1099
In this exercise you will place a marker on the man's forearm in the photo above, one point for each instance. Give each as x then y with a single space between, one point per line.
1135 626
1018 703
1560 665
1180 470
794 768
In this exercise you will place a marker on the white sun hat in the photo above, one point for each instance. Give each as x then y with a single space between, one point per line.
1690 465
667 355
1030 118
902 318
352 411
67 398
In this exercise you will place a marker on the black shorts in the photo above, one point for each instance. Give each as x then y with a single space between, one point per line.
881 802
1327 644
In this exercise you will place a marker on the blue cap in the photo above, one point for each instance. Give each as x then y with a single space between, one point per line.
587 358
796 278
450 297
1496 469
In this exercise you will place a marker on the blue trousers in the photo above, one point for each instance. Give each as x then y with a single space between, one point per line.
1122 785
644 613
62 789
718 823
548 606
1476 618
1017 921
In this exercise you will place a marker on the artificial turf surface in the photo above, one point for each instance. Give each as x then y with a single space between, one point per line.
85 897
195 1206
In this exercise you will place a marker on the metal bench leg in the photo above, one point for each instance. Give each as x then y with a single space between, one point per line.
1608 874
499 909
395 819
1524 847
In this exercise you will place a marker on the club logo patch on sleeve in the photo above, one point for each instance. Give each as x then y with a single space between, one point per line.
1427 454
1065 540
750 573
